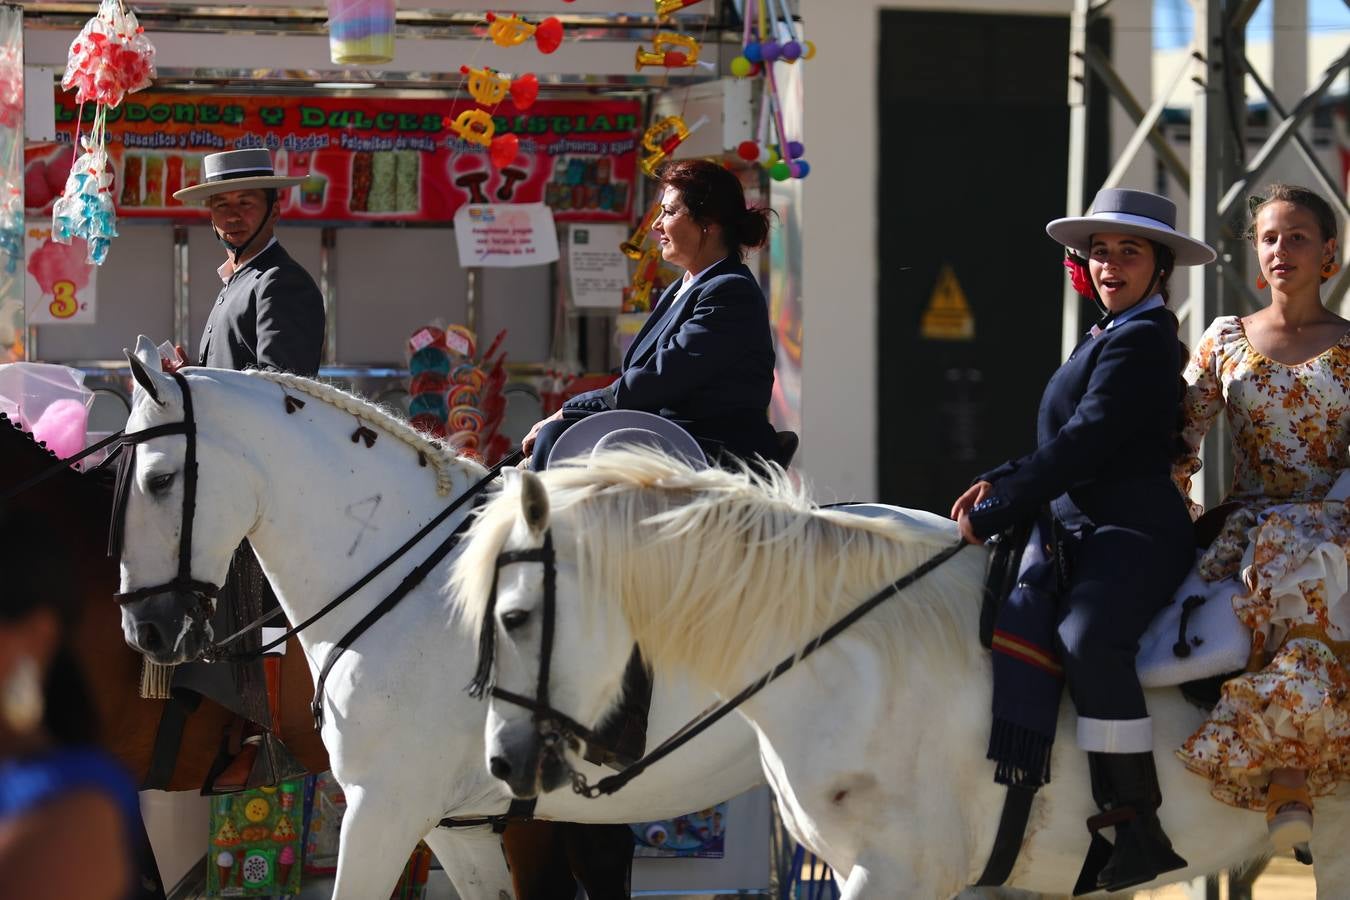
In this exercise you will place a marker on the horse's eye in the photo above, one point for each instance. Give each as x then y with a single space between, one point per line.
160 484
515 618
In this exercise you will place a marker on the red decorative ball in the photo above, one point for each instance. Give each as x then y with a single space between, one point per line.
748 151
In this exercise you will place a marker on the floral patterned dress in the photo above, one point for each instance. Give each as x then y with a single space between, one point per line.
1288 545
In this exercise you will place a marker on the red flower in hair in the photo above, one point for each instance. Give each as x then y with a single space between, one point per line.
1078 274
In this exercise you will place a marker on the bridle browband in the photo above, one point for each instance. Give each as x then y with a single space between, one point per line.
183 582
553 726
205 591
557 729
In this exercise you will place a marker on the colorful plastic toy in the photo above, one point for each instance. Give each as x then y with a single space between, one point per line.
670 50
512 31
661 138
632 248
485 85
475 126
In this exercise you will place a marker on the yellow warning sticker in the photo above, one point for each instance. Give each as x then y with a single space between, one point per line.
947 317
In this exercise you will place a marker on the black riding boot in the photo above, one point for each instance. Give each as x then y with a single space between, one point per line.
1125 786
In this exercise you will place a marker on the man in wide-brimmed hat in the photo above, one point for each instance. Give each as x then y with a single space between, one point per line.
270 313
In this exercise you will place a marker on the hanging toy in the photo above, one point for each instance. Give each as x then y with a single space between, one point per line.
512 31
503 150
632 248
638 295
671 50
667 8
474 126
486 85
662 137
524 91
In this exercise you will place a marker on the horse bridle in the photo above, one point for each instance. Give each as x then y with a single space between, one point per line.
556 729
183 582
553 726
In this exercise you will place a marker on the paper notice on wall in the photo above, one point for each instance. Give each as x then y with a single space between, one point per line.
505 235
596 266
60 284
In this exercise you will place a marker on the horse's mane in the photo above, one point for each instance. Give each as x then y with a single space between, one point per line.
440 455
706 563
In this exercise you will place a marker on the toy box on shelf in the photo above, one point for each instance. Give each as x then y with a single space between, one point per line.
455 393
255 843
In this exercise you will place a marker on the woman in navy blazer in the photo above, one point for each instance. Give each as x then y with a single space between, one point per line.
1107 433
704 358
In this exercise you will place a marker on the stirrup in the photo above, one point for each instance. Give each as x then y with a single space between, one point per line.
1288 827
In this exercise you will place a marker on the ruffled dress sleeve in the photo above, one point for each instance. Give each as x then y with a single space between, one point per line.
1203 399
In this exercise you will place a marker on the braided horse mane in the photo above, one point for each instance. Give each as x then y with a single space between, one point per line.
441 456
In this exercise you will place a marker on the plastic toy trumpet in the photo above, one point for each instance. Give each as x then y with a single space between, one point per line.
670 7
661 138
485 85
508 31
639 297
671 50
475 126
632 248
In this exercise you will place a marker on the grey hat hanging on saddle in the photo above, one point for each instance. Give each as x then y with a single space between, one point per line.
626 428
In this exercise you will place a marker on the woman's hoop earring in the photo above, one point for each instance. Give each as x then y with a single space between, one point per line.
1331 268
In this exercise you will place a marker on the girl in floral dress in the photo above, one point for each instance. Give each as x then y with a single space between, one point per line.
1281 733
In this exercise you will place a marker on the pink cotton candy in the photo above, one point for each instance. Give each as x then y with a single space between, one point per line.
62 426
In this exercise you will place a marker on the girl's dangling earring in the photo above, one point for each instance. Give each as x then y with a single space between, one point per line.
21 703
1330 269
1260 282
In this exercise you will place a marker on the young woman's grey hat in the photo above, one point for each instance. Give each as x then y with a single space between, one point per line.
1120 211
235 170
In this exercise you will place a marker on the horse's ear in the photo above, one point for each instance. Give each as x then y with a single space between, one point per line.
533 502
145 369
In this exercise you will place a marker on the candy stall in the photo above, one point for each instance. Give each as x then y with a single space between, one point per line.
473 196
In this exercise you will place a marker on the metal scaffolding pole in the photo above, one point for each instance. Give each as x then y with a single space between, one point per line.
1217 178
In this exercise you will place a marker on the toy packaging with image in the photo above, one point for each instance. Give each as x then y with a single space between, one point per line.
255 842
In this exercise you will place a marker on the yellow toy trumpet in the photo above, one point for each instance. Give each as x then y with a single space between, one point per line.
666 8
661 138
638 297
475 126
485 85
508 31
669 50
632 248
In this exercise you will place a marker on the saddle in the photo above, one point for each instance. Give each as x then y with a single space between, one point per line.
1195 643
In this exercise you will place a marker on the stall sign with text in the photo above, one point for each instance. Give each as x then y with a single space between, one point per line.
59 288
506 236
361 159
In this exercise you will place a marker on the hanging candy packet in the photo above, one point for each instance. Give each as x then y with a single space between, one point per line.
85 207
110 58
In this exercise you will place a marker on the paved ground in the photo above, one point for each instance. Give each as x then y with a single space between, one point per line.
1283 879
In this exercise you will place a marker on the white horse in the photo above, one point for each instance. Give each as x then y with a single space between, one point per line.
718 577
321 507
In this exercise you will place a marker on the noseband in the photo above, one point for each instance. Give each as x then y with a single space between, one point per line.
554 727
126 468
